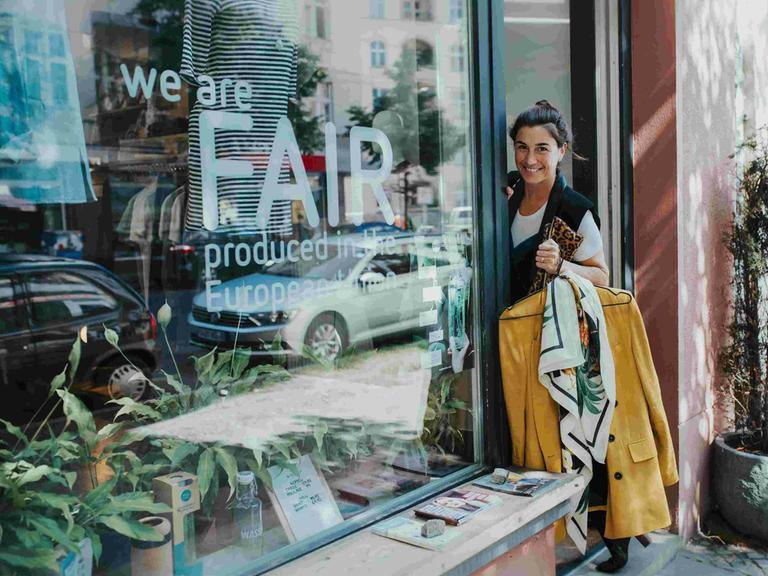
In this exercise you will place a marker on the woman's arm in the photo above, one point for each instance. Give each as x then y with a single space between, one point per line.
593 269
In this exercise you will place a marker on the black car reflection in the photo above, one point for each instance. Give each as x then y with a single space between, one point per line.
44 303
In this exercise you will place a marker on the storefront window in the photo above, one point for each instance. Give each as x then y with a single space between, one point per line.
237 279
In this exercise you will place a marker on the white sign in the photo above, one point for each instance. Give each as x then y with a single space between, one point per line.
304 502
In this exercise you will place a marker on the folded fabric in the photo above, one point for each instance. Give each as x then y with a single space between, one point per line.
576 367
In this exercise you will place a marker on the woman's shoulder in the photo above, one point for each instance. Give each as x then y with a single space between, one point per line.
577 199
576 205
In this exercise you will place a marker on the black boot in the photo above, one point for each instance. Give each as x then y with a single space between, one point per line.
619 550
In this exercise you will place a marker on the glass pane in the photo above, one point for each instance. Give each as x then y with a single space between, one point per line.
246 233
10 307
58 297
537 60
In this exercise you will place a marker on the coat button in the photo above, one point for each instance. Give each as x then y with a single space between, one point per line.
611 437
618 476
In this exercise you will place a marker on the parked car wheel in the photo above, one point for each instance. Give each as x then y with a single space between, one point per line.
124 379
327 337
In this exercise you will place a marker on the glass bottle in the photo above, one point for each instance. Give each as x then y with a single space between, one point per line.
246 512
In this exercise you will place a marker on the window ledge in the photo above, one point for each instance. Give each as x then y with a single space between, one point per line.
486 537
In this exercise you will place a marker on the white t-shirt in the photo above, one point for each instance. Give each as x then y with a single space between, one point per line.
523 227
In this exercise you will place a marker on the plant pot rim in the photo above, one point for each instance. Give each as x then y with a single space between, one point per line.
721 442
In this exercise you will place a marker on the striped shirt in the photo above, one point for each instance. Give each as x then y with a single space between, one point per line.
254 41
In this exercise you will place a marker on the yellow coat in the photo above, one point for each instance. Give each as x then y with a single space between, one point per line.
640 458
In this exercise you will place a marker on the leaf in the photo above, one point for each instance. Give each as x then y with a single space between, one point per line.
164 315
23 558
137 502
240 362
229 464
182 451
50 528
70 477
76 412
59 380
95 543
111 337
320 431
173 382
74 358
130 406
205 469
131 528
258 454
109 430
34 474
204 363
15 431
429 413
61 502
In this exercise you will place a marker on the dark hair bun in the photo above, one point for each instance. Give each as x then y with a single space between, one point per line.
544 114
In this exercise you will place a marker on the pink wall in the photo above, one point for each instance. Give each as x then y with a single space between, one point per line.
707 49
654 118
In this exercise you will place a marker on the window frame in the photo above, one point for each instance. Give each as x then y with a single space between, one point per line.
377 9
36 325
378 54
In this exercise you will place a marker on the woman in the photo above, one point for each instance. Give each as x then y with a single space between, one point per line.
538 193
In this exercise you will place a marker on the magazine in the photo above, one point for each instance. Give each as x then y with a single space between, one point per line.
456 507
517 485
409 531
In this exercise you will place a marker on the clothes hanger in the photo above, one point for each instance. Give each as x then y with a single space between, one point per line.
625 298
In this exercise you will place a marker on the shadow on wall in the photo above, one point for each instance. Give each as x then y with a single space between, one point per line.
714 48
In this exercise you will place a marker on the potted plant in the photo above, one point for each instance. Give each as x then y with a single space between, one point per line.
740 459
51 500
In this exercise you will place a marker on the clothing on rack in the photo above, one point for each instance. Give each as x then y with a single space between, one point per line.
42 146
166 214
241 40
640 457
576 368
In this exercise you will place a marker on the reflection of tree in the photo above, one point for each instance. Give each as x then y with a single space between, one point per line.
166 17
306 126
424 136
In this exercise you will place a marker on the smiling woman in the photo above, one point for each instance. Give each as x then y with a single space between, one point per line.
554 229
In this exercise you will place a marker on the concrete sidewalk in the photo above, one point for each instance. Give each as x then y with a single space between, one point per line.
712 557
702 556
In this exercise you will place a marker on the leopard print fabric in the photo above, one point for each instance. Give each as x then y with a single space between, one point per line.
568 240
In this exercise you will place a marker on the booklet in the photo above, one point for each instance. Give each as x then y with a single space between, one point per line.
517 485
409 531
456 507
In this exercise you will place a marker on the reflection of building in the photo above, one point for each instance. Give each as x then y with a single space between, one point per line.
359 68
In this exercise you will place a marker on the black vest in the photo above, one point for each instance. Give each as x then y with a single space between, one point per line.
565 203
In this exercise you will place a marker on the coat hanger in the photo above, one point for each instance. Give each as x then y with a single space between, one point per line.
625 298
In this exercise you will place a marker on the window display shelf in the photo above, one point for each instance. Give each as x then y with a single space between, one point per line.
486 537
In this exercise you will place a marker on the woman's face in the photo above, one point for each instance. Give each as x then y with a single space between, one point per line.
537 154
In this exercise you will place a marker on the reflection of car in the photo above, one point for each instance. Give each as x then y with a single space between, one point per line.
44 302
356 290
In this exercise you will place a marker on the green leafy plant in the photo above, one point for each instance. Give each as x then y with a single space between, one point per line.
744 359
756 488
440 429
42 512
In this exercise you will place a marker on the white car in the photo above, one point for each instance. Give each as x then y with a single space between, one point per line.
363 289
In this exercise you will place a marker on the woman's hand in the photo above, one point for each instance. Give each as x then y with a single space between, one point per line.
509 192
548 256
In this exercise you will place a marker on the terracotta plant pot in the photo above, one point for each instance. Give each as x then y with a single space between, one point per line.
730 467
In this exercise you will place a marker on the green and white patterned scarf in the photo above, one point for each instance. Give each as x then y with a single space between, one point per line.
576 367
